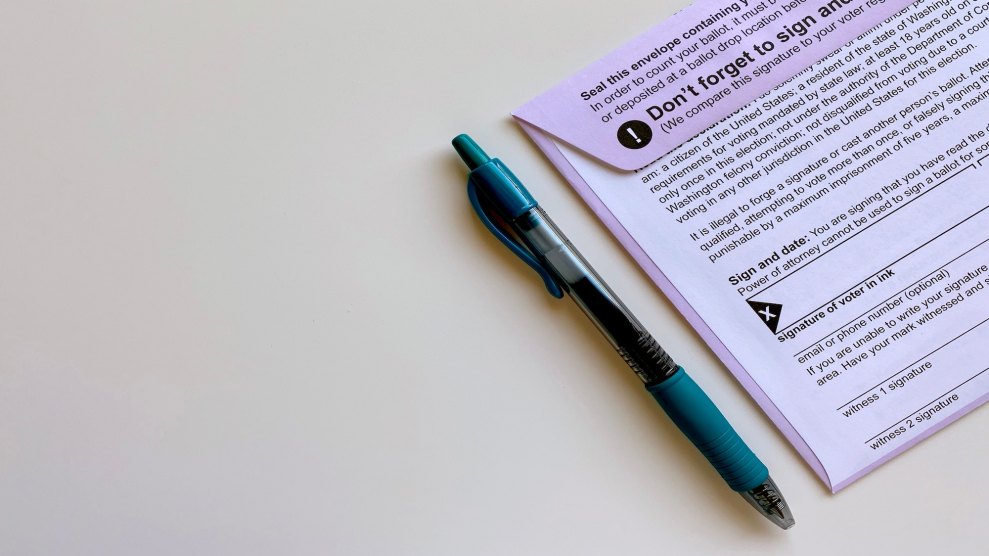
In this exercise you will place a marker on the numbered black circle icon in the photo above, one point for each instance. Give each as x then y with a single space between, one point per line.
634 134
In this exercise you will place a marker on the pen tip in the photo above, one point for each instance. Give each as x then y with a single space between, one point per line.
468 150
768 500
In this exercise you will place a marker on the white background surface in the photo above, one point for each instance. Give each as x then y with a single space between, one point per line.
245 307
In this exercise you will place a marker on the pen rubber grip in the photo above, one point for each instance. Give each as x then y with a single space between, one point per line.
699 419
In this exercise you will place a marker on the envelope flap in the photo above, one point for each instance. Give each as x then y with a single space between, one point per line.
689 72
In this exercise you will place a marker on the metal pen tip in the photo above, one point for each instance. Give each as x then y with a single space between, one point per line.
769 501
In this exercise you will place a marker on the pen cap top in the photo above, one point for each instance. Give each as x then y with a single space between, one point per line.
468 150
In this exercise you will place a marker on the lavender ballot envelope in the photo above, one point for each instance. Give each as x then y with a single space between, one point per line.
801 179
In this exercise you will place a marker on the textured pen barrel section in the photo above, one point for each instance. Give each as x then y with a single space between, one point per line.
734 461
696 415
648 359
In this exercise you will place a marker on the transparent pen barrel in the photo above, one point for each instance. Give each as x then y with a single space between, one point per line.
649 361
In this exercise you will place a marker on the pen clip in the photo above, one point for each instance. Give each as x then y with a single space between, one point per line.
513 246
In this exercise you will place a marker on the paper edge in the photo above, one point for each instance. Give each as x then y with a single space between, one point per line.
550 150
530 121
965 410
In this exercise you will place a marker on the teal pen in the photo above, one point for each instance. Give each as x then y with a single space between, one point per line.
508 210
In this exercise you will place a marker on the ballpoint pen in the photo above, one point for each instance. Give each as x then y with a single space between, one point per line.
508 210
